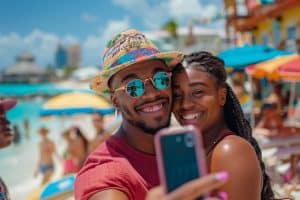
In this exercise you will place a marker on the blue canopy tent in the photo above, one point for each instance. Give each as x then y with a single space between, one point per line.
240 57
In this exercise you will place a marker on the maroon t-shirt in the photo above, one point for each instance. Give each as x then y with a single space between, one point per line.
116 165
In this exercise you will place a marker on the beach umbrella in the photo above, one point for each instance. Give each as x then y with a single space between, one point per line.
240 57
76 103
60 189
290 71
270 69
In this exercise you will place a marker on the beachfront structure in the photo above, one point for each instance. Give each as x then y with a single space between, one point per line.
269 22
74 55
189 39
61 56
26 71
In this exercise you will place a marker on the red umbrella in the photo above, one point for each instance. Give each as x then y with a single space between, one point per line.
290 71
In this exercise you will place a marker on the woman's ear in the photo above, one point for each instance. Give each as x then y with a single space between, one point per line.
222 96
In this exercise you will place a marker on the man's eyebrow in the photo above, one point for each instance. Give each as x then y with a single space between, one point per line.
128 77
157 69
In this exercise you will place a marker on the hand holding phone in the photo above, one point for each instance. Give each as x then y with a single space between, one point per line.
180 156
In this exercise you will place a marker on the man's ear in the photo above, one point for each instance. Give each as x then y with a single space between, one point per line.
114 100
222 96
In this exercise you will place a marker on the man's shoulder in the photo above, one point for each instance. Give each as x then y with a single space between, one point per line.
106 156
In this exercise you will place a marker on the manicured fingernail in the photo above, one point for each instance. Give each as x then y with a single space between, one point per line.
222 176
223 195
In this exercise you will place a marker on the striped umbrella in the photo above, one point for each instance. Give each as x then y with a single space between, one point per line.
76 103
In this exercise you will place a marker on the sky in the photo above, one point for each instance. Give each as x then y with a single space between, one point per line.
38 26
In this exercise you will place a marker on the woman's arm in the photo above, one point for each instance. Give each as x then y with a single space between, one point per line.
236 156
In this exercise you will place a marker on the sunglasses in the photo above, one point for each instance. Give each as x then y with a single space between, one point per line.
136 87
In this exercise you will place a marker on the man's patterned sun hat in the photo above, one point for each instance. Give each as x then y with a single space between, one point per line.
126 49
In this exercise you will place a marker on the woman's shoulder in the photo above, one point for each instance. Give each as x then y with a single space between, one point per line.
234 151
232 146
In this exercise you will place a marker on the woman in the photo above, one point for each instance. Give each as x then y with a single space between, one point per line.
204 99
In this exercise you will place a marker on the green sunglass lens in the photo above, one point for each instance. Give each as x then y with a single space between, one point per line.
135 88
161 80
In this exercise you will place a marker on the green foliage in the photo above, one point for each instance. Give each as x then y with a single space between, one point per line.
68 70
171 28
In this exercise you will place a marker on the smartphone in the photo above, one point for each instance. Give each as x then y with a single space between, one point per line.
180 156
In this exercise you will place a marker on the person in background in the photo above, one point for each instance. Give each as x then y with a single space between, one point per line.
101 134
70 159
6 137
47 151
276 97
79 145
26 128
17 135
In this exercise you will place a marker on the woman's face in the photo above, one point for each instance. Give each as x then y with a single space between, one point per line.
198 100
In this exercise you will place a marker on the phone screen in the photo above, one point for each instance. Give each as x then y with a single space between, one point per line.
179 159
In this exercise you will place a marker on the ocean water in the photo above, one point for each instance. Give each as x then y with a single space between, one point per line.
21 90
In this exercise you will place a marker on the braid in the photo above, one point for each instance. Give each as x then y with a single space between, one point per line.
240 126
233 112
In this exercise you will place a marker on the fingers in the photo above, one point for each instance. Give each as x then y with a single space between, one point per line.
198 187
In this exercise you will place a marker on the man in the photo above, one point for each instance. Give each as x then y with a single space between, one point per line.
6 137
47 150
137 77
101 134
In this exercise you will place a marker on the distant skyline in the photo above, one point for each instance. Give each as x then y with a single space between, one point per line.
38 26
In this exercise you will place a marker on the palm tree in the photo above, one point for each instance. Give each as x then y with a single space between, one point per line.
171 28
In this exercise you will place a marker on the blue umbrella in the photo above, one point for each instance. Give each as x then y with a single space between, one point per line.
240 57
61 187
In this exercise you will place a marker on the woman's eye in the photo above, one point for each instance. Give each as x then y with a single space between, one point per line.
197 93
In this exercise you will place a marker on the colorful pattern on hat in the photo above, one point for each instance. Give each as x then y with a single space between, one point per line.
126 49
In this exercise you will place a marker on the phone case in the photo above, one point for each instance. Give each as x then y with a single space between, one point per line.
200 155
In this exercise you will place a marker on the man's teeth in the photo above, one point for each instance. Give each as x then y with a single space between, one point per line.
191 116
152 108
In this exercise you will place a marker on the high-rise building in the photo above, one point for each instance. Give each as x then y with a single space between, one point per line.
74 55
61 56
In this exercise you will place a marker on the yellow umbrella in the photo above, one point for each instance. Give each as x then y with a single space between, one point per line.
76 103
269 68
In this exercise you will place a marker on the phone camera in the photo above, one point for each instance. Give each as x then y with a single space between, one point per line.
189 140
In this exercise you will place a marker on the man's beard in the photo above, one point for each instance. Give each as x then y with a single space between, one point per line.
150 130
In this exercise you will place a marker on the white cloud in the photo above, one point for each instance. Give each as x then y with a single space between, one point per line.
154 15
182 8
87 17
41 44
94 45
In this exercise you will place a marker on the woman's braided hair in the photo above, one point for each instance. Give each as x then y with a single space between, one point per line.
233 112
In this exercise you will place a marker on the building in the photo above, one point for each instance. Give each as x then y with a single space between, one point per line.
61 56
74 55
26 71
274 23
189 39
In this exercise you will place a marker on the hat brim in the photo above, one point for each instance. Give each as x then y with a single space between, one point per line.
8 103
100 81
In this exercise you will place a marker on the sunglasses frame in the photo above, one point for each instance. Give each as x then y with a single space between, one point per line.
122 88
